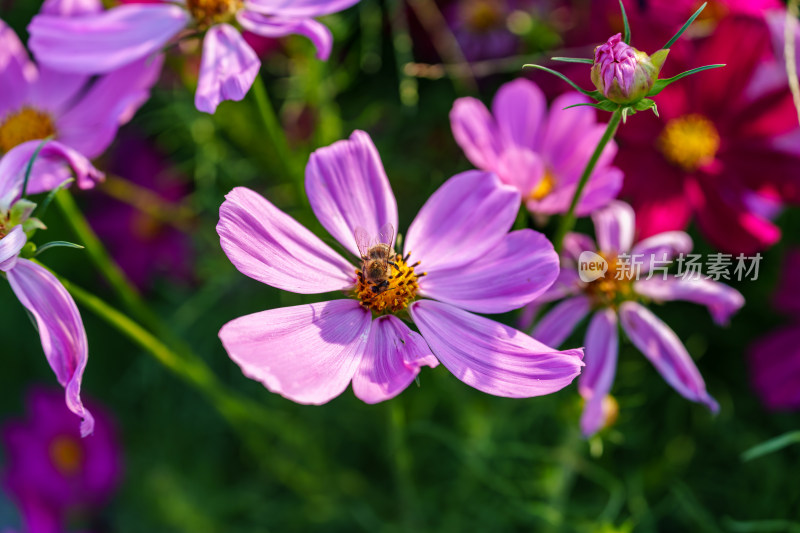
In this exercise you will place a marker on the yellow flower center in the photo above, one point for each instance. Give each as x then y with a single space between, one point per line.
387 286
206 13
23 126
544 187
616 286
67 455
482 15
689 142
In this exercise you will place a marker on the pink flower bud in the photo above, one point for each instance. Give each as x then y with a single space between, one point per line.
624 74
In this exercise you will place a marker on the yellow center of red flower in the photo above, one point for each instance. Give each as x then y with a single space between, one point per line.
689 142
206 13
387 286
23 126
544 187
67 455
615 287
482 15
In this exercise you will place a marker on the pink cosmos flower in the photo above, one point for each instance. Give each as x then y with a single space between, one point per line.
542 154
775 358
80 113
617 297
52 471
718 152
310 353
103 42
57 317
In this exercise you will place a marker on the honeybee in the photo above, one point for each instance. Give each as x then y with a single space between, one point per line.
377 256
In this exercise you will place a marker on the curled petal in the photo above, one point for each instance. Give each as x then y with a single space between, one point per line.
307 353
602 345
348 188
662 247
392 359
475 132
105 41
614 227
273 27
554 327
60 329
488 285
464 219
722 301
10 246
268 245
492 357
666 351
299 8
227 70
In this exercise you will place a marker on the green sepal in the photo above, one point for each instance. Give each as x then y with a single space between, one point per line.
20 212
57 244
659 85
585 60
31 225
684 27
591 94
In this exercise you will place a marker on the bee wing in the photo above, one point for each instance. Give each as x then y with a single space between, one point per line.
363 241
386 235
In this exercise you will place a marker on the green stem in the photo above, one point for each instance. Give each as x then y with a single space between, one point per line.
398 449
568 220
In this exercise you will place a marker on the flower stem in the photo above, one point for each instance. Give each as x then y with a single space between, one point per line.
568 220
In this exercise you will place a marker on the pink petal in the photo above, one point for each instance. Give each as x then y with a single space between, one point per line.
594 384
722 301
662 247
10 246
71 8
521 168
268 245
55 92
16 70
106 41
574 245
392 360
475 132
348 188
464 219
14 164
519 109
566 284
557 325
227 70
308 353
614 227
666 351
273 27
492 357
299 8
92 123
60 329
565 126
487 285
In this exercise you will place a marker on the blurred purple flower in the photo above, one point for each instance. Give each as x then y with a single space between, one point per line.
57 318
481 27
144 245
310 353
79 112
103 42
542 154
51 471
617 296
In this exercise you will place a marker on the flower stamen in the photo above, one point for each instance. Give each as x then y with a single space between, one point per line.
544 187
67 455
689 142
25 125
615 287
394 293
207 13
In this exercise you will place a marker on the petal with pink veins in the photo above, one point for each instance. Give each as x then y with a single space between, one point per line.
348 188
476 133
614 226
71 8
557 325
722 301
60 329
16 70
10 246
662 247
268 245
307 353
392 359
273 27
299 8
665 350
519 110
493 357
594 384
227 69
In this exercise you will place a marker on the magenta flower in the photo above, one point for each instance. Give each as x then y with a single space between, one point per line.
540 154
80 113
775 358
57 317
106 41
52 471
310 353
618 297
622 73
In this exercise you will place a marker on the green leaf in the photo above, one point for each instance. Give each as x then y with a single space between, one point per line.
659 85
29 167
627 37
573 60
685 26
57 244
604 105
772 445
644 104
592 94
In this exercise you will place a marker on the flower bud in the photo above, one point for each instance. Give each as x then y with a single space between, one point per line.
624 74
